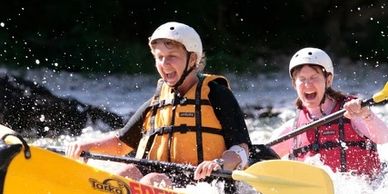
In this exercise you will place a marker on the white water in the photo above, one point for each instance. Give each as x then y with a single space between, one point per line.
123 94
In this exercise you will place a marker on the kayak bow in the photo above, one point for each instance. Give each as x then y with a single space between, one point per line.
48 172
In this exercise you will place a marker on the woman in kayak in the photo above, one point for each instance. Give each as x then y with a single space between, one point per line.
193 118
347 144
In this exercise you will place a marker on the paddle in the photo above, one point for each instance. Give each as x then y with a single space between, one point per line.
272 176
379 97
165 166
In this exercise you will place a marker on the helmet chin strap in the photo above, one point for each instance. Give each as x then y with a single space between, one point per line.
320 106
186 72
323 101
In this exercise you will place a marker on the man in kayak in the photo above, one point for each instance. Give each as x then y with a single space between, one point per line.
193 118
347 144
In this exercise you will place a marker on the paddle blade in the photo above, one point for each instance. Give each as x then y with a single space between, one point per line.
382 95
286 177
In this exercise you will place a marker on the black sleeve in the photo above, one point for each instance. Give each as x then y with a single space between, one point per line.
130 134
229 114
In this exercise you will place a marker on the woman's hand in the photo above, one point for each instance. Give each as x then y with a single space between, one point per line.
157 180
74 150
353 110
205 169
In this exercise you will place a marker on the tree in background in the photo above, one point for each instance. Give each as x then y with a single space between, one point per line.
241 36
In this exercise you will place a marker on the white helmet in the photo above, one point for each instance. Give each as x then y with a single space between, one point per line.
181 33
313 56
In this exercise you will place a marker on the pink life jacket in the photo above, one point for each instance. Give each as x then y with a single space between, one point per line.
340 147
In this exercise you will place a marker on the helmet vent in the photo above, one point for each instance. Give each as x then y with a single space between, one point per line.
310 53
172 28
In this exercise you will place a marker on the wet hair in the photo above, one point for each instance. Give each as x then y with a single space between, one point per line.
330 92
170 44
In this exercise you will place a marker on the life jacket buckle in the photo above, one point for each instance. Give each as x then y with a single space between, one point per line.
315 147
183 101
176 101
183 128
161 103
368 145
167 129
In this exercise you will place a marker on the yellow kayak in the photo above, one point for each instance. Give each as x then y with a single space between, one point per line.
34 170
46 172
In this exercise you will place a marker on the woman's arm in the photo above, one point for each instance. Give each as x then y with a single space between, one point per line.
366 122
131 134
283 148
235 132
372 127
120 143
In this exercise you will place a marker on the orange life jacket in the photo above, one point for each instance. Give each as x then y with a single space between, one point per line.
341 147
184 129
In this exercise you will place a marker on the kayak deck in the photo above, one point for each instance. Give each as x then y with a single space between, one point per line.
48 172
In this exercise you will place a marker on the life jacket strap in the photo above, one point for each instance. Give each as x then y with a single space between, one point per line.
173 102
185 129
198 118
332 145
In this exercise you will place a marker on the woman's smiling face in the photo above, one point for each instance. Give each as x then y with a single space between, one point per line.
310 84
170 60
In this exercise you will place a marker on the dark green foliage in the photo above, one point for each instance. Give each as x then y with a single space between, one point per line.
239 36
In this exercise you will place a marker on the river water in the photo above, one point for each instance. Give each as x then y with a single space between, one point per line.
124 93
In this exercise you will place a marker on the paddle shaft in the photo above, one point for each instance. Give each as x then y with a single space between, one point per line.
144 162
269 177
316 123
